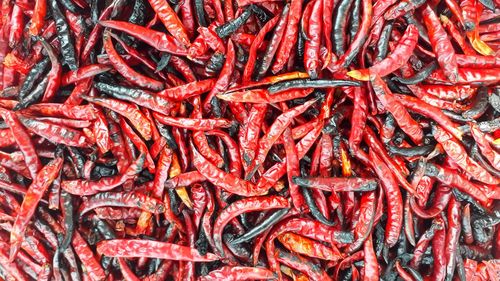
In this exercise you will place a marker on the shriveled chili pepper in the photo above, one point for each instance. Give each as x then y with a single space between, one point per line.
158 40
182 128
34 194
64 36
136 117
394 61
240 207
170 20
458 153
395 209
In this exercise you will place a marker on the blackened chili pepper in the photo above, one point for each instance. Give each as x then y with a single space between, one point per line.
64 36
231 26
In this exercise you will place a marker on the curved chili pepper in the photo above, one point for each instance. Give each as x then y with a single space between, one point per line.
170 20
312 46
309 247
449 177
440 43
307 83
120 65
402 117
218 177
301 264
87 187
290 36
33 75
23 142
255 45
157 40
162 250
394 61
34 194
120 199
135 116
38 19
275 131
224 77
240 207
192 123
237 272
338 184
370 259
56 133
458 153
441 199
231 26
274 42
63 34
394 201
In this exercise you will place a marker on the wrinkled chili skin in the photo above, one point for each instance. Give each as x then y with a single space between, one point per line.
249 140
64 36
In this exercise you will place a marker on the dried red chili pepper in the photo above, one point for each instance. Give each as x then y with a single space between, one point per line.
138 159
394 61
33 195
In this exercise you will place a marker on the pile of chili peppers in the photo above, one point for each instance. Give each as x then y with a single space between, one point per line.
250 140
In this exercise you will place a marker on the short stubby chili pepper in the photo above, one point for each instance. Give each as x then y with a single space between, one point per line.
249 140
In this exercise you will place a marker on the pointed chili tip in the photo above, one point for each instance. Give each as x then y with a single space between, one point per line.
361 75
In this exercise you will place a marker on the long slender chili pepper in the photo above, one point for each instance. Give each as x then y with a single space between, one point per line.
274 132
395 204
38 19
255 45
154 249
134 115
218 177
242 206
225 75
23 142
306 83
231 26
87 187
35 192
458 153
170 20
290 36
394 61
63 34
322 140
158 40
402 117
312 46
120 65
273 45
234 273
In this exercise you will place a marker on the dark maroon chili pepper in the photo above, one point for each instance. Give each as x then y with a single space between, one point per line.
138 96
275 40
231 26
479 105
64 36
307 83
32 76
340 26
219 148
419 77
